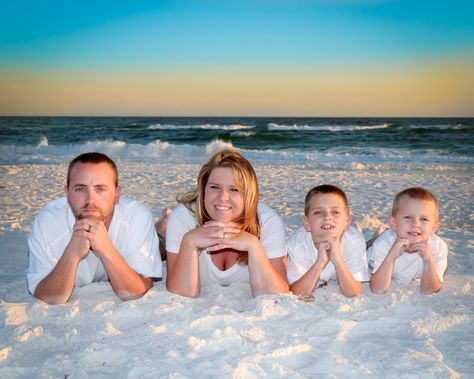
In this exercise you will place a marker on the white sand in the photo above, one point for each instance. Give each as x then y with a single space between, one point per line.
226 333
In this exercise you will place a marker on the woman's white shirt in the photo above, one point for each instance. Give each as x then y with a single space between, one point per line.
272 238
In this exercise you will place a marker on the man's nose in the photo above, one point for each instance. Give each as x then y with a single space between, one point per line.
90 195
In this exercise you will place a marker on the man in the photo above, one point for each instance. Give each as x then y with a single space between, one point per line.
92 234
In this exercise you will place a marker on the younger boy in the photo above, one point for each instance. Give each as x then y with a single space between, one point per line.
326 246
410 249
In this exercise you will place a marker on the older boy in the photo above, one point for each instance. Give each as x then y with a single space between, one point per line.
410 249
326 246
92 234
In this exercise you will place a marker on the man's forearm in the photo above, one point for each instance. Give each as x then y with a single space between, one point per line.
126 282
57 286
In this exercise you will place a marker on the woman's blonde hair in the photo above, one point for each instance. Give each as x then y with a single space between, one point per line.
246 182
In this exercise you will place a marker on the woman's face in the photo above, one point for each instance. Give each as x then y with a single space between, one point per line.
223 199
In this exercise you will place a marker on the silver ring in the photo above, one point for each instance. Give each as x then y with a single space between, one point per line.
89 228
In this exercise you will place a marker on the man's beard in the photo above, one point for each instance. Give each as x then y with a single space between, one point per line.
98 215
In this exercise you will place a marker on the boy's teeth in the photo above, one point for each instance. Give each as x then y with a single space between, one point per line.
327 227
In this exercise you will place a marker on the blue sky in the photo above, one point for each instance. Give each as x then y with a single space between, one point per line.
212 33
131 36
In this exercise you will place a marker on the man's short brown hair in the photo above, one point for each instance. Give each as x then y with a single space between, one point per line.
93 158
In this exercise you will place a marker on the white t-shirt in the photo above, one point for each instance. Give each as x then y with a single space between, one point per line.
302 254
272 237
407 266
131 231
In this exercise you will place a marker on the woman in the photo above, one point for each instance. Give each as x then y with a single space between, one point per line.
220 234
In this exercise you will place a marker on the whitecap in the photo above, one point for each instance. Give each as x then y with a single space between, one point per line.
200 126
217 145
331 128
43 142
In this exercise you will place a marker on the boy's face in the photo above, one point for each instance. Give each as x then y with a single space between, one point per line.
327 216
416 220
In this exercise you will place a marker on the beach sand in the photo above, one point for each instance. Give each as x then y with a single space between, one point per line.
226 333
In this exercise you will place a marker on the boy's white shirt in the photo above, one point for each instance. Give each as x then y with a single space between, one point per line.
408 266
302 254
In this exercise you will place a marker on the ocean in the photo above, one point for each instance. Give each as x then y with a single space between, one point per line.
378 143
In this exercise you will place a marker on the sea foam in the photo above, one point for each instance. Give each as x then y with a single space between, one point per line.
341 157
200 126
331 128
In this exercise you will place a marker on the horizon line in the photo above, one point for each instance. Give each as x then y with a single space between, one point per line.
223 116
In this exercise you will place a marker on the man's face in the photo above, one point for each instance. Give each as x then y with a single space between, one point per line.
416 220
327 216
92 193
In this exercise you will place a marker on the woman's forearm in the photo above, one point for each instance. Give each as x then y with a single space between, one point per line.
266 277
183 271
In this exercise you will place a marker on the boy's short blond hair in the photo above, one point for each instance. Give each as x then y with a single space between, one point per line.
324 188
414 193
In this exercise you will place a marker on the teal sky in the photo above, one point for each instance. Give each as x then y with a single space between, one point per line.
64 34
132 36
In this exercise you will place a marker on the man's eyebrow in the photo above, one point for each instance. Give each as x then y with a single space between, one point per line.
94 186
